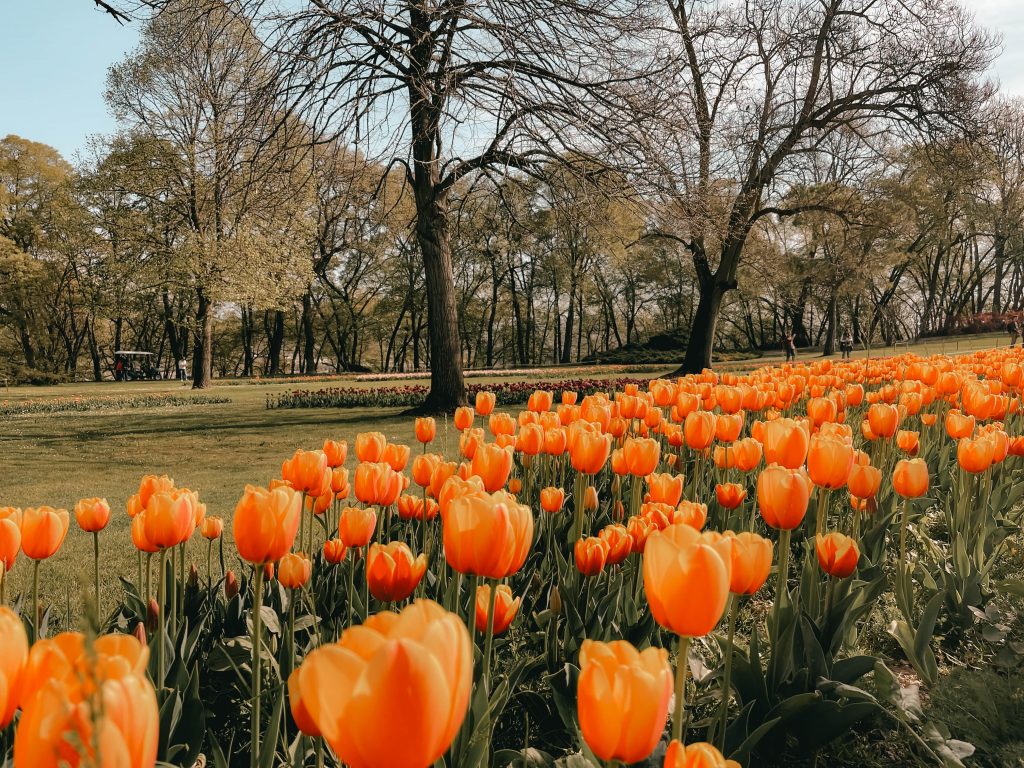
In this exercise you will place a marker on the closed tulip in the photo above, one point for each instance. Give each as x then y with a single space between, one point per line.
13 660
426 429
730 495
42 531
975 456
641 455
552 499
697 755
265 523
691 513
334 551
417 663
501 424
377 484
92 514
294 570
623 697
530 440
958 425
910 478
864 480
10 538
307 471
392 571
211 528
169 518
540 401
463 418
370 446
492 464
884 419
782 496
336 452
591 554
619 544
485 402
908 441
639 529
699 429
423 467
487 534
588 450
751 557
728 427
355 526
665 488
837 554
300 713
785 443
505 608
396 456
686 579
829 461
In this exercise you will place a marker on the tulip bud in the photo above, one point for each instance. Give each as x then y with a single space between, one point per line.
193 576
152 615
140 632
230 585
590 499
554 600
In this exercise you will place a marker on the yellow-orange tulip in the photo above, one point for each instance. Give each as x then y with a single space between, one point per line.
42 531
265 523
294 570
591 554
686 579
392 571
307 471
699 429
728 427
485 402
552 499
641 455
370 446
487 534
492 464
501 424
864 480
622 699
751 562
697 755
426 429
396 456
785 443
884 419
92 514
782 496
665 488
336 452
463 418
505 608
910 478
540 401
355 526
588 450
975 456
417 663
211 528
829 461
837 554
530 440
377 484
13 660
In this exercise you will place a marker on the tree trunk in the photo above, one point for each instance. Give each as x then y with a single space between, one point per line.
202 359
308 340
275 340
831 320
702 331
248 357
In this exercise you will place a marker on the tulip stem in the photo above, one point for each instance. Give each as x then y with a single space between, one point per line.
162 592
727 681
3 583
96 573
350 594
35 600
209 564
488 643
782 579
680 711
819 527
256 680
366 582
138 584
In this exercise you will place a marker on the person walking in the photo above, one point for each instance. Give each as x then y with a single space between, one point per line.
183 371
846 344
789 342
1015 332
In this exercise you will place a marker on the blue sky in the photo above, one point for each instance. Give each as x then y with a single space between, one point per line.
55 54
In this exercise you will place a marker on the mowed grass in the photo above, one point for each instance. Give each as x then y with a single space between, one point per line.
215 449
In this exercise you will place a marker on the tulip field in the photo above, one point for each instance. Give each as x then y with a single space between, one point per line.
717 570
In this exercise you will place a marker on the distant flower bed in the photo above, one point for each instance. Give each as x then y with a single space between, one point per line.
566 370
105 403
506 393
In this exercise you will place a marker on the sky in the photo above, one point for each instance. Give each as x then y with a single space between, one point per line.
55 55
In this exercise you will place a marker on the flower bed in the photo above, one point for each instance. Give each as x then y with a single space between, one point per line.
104 403
506 393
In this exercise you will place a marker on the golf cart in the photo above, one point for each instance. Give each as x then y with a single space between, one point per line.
130 365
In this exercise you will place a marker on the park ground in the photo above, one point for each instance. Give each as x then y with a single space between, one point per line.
215 449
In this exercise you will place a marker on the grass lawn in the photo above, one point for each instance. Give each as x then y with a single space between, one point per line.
215 449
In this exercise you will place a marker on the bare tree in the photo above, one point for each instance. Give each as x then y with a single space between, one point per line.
761 83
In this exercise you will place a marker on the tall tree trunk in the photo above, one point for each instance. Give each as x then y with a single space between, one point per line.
202 358
94 353
173 339
701 344
570 319
308 340
275 341
248 356
831 321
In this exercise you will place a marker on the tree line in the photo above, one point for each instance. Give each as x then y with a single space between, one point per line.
412 185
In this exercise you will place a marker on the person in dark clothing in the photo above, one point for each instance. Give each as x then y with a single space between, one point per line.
789 343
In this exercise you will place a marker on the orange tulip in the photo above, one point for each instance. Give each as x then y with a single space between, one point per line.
588 450
417 663
1015 446
552 499
211 528
300 713
336 452
485 402
665 488
864 480
837 554
785 443
339 483
426 429
501 424
623 697
492 464
355 526
641 455
590 500
883 419
13 660
728 426
377 484
829 461
745 454
505 608
149 485
530 440
42 531
540 401
463 418
691 513
265 523
294 570
910 478
396 456
170 518
138 532
370 446
821 410
92 514
908 441
782 496
555 441
686 579
619 544
591 554
730 495
423 467
487 534
307 471
10 538
751 562
699 430
697 755
334 551
975 456
392 571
